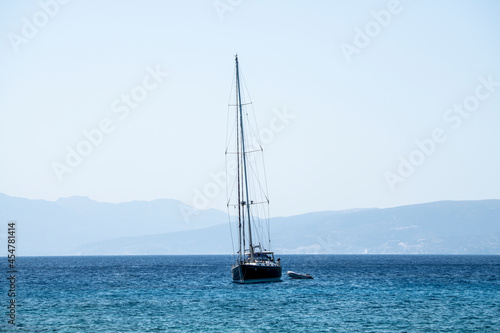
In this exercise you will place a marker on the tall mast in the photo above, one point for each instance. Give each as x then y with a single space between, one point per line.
241 233
244 159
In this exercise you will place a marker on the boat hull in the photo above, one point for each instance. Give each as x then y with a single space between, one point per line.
294 275
244 273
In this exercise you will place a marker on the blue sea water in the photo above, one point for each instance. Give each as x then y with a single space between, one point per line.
350 293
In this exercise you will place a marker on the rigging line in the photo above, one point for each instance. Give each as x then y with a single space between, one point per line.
257 229
268 208
245 86
230 135
263 191
243 104
254 130
256 171
259 203
229 101
229 217
256 178
257 222
231 152
227 185
244 158
229 193
247 152
234 152
253 111
268 223
260 196
231 232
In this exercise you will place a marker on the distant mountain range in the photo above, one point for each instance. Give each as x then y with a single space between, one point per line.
58 228
81 226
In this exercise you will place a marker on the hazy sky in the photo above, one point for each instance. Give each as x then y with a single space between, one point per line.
361 104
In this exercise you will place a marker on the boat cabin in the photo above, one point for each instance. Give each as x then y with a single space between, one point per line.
262 256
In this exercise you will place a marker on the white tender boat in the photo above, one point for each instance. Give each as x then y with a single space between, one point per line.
294 275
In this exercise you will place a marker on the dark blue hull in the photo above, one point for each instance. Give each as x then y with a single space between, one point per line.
245 273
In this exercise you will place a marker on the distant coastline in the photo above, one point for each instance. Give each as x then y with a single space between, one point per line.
80 226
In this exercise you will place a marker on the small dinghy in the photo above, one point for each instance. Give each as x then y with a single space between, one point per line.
294 275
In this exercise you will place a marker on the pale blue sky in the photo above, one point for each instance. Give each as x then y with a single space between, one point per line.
352 120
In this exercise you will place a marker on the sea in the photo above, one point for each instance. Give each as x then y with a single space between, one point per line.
349 293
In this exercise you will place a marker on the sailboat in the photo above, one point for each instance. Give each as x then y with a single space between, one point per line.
248 203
